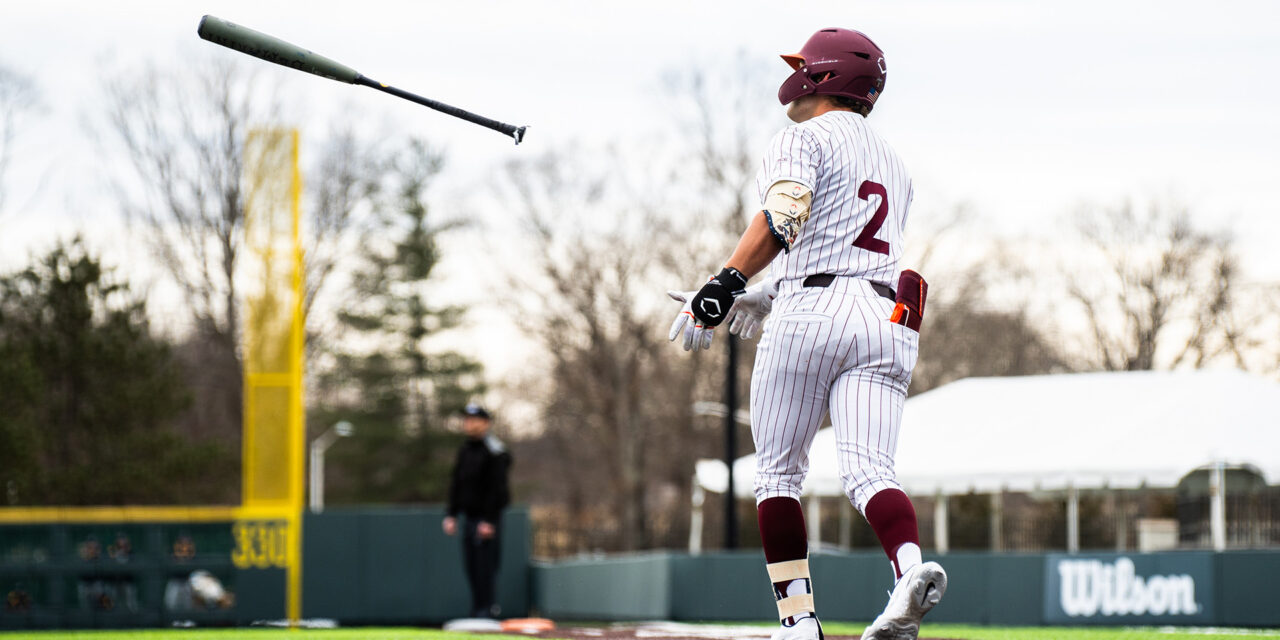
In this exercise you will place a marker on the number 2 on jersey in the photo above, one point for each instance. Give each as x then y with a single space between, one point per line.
867 239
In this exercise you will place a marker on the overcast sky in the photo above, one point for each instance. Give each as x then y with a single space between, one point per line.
1022 109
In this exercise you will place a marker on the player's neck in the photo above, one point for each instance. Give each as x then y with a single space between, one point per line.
827 107
810 107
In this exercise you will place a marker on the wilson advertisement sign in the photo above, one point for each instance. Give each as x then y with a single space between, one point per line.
1169 588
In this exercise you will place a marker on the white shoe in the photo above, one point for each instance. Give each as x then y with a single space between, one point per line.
804 629
919 589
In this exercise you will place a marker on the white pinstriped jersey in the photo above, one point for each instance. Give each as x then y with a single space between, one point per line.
831 350
861 195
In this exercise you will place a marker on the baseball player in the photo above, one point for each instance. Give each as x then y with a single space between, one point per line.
840 340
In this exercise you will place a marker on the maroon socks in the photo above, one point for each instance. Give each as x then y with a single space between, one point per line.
892 517
786 546
786 550
782 530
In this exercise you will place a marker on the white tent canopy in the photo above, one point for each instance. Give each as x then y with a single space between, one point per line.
1087 430
1061 432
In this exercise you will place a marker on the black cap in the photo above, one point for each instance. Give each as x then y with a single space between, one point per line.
474 410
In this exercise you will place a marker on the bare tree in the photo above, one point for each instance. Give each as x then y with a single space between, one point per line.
620 397
342 185
1164 295
1268 325
966 334
620 408
969 330
18 98
183 137
718 160
183 133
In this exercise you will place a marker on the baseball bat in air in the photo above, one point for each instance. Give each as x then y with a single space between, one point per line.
272 49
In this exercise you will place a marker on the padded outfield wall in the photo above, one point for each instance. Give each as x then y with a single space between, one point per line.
364 565
1174 588
394 566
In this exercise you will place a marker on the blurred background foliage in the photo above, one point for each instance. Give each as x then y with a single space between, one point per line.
98 407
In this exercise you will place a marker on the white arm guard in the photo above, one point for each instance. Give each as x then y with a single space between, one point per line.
786 208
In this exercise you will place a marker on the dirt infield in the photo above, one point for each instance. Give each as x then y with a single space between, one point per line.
671 631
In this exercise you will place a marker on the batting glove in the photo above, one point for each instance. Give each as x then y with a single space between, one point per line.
714 300
696 335
749 309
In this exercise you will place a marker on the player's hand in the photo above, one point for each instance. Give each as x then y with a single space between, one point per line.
749 309
449 525
696 335
712 303
485 530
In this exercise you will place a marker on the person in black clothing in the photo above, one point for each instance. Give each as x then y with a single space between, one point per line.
479 491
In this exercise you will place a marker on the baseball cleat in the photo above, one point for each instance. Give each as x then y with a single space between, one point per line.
918 591
807 628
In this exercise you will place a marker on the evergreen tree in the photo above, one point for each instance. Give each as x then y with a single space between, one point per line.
89 394
396 392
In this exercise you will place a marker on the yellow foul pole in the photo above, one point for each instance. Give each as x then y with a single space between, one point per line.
274 430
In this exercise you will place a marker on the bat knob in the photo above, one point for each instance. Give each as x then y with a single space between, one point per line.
518 134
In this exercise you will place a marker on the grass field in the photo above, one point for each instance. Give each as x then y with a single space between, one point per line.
958 632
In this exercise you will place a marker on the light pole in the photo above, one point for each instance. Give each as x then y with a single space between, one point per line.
318 447
721 410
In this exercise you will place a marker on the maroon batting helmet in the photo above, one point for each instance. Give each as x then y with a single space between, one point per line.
836 62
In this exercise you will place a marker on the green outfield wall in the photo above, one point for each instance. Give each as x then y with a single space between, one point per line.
394 566
1174 588
360 566
132 574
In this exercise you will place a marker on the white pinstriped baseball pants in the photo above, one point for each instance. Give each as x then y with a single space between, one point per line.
833 350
